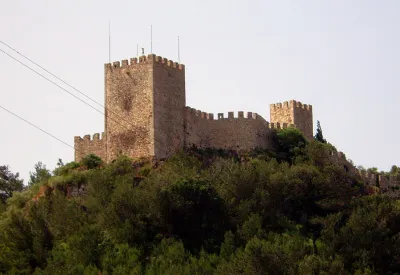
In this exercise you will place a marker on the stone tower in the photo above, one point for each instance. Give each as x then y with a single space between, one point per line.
144 112
293 112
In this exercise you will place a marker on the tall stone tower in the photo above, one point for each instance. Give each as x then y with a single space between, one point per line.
144 102
293 112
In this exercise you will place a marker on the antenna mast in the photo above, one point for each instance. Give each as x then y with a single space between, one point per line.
151 39
109 41
179 54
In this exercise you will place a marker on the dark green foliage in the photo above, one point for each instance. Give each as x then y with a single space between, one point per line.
63 170
394 171
319 136
294 211
41 174
193 211
9 183
91 161
292 143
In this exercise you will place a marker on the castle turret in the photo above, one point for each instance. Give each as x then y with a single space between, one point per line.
293 112
144 102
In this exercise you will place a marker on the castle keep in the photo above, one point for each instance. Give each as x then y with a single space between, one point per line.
146 116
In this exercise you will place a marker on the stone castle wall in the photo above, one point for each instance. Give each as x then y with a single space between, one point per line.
169 101
234 133
129 121
294 112
146 116
382 181
85 146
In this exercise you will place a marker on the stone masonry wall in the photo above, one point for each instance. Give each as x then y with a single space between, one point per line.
240 133
169 104
145 115
294 112
303 119
129 108
370 179
85 146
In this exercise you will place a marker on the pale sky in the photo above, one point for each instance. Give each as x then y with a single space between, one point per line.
341 56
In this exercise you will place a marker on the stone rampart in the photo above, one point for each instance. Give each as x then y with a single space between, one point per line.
384 182
294 112
242 132
144 59
87 145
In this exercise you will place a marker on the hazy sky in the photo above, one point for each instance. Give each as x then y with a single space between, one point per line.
341 56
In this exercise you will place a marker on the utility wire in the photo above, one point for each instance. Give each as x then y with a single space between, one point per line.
54 83
65 90
37 127
51 81
63 81
41 67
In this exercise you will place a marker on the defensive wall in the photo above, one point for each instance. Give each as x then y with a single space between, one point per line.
144 101
294 112
87 145
146 115
235 133
384 182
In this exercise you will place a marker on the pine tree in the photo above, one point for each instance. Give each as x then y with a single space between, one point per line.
319 136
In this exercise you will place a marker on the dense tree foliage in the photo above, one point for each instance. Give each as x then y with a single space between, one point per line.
9 183
294 211
41 173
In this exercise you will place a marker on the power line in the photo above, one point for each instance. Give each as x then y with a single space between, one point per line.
54 83
47 71
37 127
66 83
51 81
62 88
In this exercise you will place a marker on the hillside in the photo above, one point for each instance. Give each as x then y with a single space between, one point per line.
291 211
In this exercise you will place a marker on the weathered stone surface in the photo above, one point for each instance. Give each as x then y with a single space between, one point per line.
86 145
293 112
146 116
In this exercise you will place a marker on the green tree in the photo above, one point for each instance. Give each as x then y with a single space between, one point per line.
91 161
319 136
394 171
193 211
367 237
9 183
39 175
292 143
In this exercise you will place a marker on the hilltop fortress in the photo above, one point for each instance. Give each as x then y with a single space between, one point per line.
146 116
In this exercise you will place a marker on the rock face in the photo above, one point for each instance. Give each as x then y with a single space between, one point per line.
146 116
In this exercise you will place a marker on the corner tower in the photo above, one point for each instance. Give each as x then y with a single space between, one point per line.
293 112
144 100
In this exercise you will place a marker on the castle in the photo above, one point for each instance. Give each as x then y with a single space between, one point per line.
146 116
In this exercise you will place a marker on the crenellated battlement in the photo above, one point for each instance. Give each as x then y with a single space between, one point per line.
291 104
234 115
294 112
278 125
169 63
151 58
240 115
95 137
90 145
